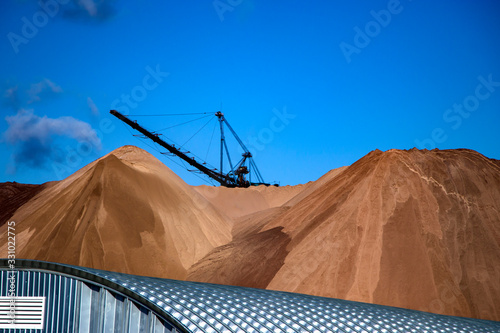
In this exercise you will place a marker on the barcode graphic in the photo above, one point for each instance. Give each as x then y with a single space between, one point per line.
22 312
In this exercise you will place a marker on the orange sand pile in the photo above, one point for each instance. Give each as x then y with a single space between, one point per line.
414 229
125 212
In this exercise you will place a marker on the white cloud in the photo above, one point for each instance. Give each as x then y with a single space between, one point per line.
92 106
44 87
32 136
26 125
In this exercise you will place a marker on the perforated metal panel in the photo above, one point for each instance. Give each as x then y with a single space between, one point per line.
204 307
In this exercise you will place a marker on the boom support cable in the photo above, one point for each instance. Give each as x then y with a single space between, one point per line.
165 114
198 131
211 139
184 123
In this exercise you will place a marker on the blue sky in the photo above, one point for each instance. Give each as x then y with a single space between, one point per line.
308 86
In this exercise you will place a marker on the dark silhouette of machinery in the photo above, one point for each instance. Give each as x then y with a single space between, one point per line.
239 175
